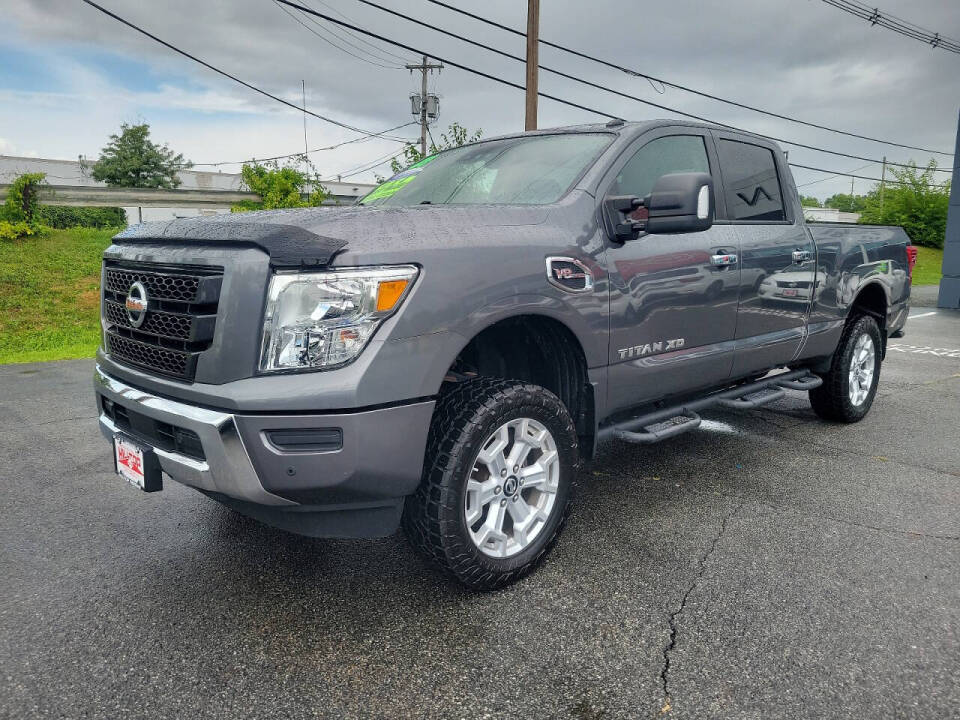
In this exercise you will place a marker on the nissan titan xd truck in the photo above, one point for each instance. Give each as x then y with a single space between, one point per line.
444 354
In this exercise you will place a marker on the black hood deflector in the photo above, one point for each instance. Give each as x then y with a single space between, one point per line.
287 245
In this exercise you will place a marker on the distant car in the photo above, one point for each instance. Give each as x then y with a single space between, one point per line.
799 283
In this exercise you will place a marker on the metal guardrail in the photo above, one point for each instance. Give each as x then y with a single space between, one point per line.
98 196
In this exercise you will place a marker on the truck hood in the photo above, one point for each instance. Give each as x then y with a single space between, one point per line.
314 236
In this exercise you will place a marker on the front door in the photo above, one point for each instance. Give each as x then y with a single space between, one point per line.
672 310
778 277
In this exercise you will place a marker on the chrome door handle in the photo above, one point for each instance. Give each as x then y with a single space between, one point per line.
720 260
800 256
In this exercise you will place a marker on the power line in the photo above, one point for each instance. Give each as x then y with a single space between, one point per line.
875 16
685 88
840 174
452 63
234 77
299 154
619 93
865 177
383 51
331 42
369 165
563 101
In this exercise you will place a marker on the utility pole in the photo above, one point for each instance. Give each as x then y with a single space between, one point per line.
883 181
424 67
533 60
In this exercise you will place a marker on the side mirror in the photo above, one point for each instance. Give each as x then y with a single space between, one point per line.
680 202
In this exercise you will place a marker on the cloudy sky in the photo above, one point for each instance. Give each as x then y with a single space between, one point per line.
70 75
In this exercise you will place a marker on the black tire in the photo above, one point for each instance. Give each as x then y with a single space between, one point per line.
435 518
831 401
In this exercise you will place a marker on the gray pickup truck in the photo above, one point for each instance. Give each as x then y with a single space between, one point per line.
444 354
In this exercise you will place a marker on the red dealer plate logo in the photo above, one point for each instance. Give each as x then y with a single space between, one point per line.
129 461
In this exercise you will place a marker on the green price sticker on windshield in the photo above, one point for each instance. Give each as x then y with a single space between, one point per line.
398 181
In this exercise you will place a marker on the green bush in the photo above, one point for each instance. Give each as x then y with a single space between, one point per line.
280 187
13 230
18 212
23 198
62 217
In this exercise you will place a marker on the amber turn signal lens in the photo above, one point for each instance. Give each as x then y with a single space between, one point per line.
389 293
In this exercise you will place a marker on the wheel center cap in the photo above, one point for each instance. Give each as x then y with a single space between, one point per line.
510 485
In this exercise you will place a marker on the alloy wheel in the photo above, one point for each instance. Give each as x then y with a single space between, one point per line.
512 488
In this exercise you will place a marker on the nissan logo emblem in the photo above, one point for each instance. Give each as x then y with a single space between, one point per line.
136 304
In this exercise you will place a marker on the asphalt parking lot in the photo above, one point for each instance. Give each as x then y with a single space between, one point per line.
768 565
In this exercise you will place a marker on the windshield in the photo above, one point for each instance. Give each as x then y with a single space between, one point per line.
530 170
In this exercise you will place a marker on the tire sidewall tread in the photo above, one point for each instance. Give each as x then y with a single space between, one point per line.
831 400
463 419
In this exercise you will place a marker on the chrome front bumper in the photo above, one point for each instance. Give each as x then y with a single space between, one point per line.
227 469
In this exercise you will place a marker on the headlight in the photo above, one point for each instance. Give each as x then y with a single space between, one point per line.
324 319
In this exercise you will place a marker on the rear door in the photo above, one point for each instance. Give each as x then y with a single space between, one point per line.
672 310
777 254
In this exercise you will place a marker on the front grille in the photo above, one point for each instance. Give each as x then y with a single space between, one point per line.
793 284
159 285
179 321
153 432
168 362
170 325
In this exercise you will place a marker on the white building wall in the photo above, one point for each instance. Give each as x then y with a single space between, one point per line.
70 172
814 214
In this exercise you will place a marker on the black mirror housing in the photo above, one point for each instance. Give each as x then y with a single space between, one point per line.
618 209
680 202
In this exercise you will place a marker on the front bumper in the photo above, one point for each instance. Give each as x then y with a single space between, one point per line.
352 488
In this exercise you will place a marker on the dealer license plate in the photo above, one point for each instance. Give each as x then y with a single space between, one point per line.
137 465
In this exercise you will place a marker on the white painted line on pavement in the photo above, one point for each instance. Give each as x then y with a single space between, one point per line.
925 350
926 314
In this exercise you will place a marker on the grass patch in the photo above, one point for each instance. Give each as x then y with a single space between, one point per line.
929 264
50 295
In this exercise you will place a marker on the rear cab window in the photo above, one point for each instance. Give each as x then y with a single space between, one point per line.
751 183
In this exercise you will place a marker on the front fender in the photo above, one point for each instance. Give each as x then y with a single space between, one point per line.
584 316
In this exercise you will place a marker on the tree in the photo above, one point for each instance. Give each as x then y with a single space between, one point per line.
281 187
845 202
455 136
809 201
913 202
130 159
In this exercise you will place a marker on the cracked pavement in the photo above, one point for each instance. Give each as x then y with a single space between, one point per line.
768 565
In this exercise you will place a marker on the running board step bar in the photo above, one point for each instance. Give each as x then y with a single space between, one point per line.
672 421
662 430
753 399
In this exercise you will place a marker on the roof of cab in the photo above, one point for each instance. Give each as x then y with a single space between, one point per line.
629 128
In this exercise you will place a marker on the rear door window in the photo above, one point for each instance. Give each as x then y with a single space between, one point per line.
751 185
